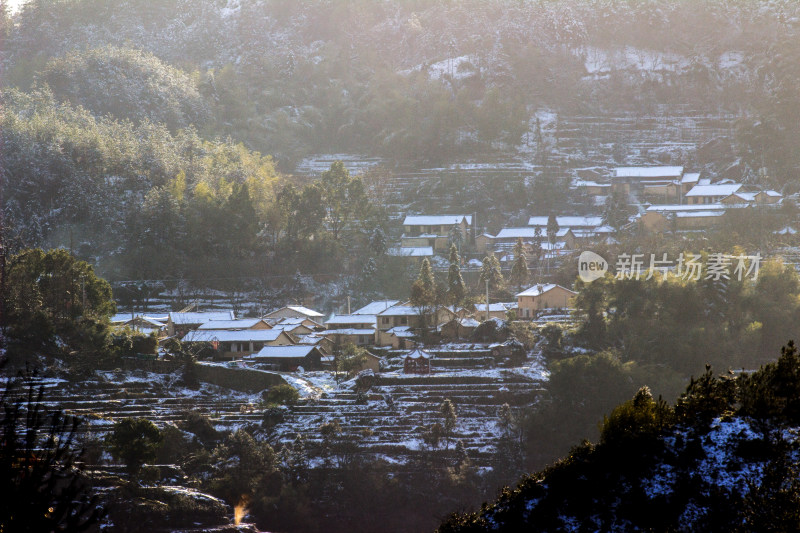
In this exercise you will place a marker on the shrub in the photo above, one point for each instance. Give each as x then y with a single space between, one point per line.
283 394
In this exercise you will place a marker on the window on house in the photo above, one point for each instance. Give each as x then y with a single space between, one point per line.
404 321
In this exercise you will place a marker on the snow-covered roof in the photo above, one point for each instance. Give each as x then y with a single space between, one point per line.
373 308
468 322
348 331
692 177
411 251
313 339
772 193
400 310
226 335
585 183
496 307
787 230
296 321
241 323
648 172
400 331
527 233
290 327
699 214
674 208
305 311
538 290
200 317
436 220
419 354
745 196
126 317
725 189
567 221
351 319
289 352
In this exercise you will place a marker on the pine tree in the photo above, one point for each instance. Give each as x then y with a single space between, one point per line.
519 270
423 292
490 269
455 283
450 419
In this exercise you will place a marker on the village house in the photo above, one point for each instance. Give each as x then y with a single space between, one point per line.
146 325
351 321
324 344
178 323
637 178
399 338
307 322
293 311
239 323
296 329
741 198
663 218
398 315
507 237
411 251
592 188
572 222
664 193
484 243
287 358
373 308
538 297
496 310
458 328
359 337
372 362
434 230
233 344
689 180
417 362
712 193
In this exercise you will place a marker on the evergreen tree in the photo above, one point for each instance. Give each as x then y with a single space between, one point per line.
423 292
455 283
617 210
135 441
377 242
519 270
490 270
449 419
343 197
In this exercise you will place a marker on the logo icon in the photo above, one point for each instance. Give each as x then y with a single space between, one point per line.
591 266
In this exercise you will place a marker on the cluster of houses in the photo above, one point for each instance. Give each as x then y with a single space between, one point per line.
294 336
667 198
675 200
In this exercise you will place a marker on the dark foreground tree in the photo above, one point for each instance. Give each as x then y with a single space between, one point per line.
135 441
41 476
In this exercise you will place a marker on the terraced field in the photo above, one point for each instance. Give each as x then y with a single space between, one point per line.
389 420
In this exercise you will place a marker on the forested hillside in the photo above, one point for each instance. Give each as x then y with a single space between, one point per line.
110 107
721 459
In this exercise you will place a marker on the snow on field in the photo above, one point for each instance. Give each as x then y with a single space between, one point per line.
455 67
600 61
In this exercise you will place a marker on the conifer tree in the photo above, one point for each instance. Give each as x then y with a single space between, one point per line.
450 419
423 292
519 270
490 269
455 283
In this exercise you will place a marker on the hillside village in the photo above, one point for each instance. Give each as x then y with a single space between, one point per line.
324 266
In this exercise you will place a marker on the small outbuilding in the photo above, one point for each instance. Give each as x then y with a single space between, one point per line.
417 362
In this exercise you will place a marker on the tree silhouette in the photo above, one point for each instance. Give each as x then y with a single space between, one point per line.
41 476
